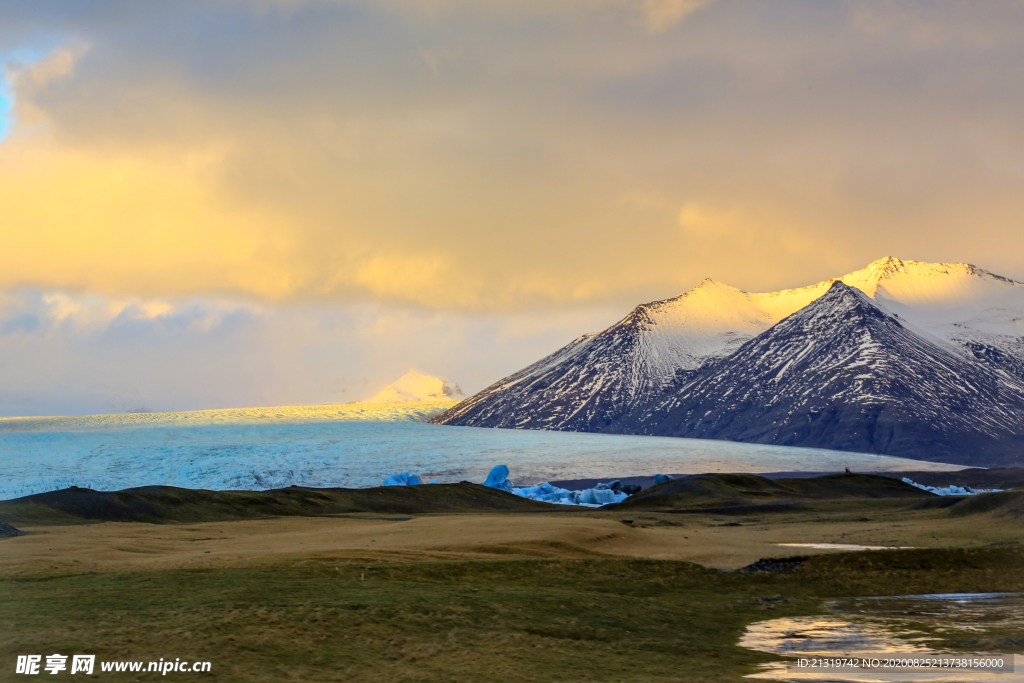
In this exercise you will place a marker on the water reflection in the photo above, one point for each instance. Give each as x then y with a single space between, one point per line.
845 546
880 627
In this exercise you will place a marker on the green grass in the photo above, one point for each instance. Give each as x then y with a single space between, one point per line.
515 620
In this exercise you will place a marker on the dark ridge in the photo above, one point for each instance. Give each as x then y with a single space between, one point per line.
162 504
646 481
775 565
8 531
706 491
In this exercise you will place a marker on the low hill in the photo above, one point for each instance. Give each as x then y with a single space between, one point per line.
996 503
163 504
734 490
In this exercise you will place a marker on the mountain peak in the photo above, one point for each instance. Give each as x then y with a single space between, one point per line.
888 265
839 286
930 285
708 288
892 270
841 290
415 386
841 305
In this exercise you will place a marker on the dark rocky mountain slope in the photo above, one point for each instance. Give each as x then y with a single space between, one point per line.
900 358
844 373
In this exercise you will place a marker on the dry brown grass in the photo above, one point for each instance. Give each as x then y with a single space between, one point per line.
571 596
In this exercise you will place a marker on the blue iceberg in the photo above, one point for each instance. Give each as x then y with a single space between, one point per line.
548 493
602 494
951 490
498 479
597 496
402 479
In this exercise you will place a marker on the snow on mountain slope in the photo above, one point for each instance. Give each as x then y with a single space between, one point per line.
594 379
972 309
414 386
949 300
598 379
845 373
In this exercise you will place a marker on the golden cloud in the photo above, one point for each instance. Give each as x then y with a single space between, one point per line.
79 220
569 159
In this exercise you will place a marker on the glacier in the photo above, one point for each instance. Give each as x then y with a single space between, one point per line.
357 446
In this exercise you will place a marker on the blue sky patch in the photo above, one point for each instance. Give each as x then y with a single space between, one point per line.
6 102
22 56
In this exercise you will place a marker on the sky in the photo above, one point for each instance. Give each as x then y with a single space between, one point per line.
226 203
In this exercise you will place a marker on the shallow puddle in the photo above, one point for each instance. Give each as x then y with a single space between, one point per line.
845 546
880 628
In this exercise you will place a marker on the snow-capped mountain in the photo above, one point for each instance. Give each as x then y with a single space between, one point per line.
608 381
845 373
597 378
414 386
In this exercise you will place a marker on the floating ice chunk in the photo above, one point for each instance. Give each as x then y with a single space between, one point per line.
619 487
662 478
602 494
547 493
402 479
434 481
951 490
498 478
600 497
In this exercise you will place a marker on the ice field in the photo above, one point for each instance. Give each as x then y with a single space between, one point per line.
358 446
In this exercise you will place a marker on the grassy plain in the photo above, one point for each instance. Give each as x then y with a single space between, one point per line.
602 595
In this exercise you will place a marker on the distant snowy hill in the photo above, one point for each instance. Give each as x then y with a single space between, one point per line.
414 386
647 372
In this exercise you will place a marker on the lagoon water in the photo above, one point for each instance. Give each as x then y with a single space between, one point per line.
881 627
358 446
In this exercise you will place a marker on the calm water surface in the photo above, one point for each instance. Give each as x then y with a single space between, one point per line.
888 626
